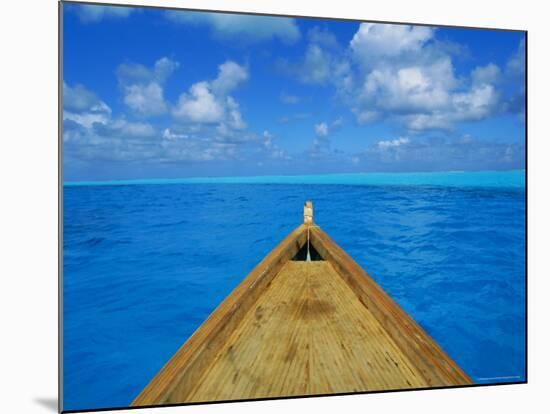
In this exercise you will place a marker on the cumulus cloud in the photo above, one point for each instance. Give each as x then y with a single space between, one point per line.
374 40
146 99
85 112
230 76
208 102
251 28
404 75
489 74
199 105
90 13
143 87
475 104
234 117
91 133
209 122
409 89
83 106
78 98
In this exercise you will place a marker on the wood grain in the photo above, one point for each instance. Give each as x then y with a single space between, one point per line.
187 365
435 365
307 334
303 328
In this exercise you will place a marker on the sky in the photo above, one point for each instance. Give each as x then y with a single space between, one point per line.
154 93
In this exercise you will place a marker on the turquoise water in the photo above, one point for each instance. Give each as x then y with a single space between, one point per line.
144 265
454 179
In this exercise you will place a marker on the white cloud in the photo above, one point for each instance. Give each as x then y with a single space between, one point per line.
410 89
143 87
474 104
321 143
441 153
321 130
393 143
251 28
93 13
488 74
78 99
273 150
90 132
121 128
421 122
235 119
376 40
83 106
130 73
207 101
229 77
211 128
164 67
405 75
88 121
199 105
145 99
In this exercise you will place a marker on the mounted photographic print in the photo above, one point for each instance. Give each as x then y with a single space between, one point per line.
258 206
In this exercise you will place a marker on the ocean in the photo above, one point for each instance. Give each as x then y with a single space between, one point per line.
145 262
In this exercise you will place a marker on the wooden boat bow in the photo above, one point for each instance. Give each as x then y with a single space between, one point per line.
294 327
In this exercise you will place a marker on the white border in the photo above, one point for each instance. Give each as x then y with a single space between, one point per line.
28 227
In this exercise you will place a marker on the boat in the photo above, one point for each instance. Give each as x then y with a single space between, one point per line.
307 320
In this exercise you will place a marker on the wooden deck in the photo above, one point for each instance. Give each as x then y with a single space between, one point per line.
307 334
303 328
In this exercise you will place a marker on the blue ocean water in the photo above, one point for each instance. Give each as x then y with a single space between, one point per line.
145 264
514 178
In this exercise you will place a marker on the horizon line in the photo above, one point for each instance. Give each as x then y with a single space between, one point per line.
242 179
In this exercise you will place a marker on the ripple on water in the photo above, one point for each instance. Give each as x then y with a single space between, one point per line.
144 265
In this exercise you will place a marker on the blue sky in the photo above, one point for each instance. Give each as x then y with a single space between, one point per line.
152 93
